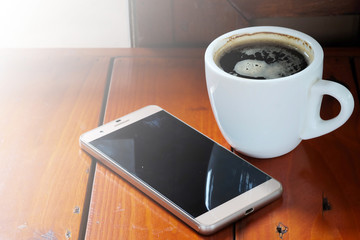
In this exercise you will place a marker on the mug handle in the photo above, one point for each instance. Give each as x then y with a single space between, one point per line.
314 125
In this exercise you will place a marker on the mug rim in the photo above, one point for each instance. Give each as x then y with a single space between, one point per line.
318 54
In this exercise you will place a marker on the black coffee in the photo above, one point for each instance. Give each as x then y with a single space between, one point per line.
262 60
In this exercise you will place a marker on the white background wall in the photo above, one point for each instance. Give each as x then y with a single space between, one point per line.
64 23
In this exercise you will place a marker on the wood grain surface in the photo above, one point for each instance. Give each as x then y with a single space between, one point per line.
47 99
327 166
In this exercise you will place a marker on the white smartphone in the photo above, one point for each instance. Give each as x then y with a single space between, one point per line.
202 183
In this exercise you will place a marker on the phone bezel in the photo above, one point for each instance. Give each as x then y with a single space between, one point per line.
206 223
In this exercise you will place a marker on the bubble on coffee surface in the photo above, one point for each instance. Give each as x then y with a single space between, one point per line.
259 69
265 61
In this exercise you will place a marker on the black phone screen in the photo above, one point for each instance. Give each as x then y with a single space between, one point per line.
183 165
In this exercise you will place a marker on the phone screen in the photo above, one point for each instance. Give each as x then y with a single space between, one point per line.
182 164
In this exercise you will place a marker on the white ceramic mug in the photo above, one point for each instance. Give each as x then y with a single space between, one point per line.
269 118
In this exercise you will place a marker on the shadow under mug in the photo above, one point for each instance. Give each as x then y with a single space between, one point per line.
269 118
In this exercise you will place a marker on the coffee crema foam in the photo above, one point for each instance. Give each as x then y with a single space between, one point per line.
262 60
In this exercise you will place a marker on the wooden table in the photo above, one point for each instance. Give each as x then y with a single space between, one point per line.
51 189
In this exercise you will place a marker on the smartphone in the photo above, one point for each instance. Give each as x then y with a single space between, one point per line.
202 183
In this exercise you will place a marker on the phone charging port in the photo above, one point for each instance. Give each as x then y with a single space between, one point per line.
250 210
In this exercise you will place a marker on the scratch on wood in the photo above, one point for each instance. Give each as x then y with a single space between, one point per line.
49 235
133 226
76 210
158 233
281 229
22 226
119 208
326 206
68 234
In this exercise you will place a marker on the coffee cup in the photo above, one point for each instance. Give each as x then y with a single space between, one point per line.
269 99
